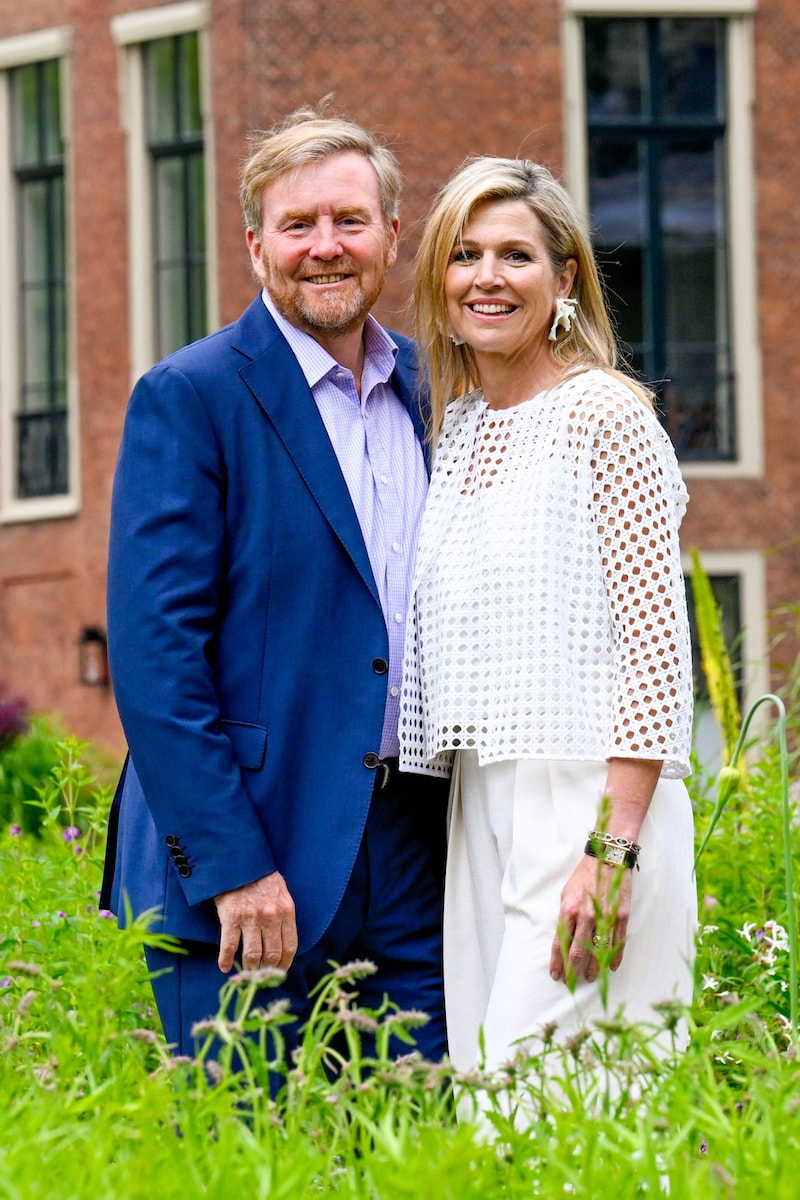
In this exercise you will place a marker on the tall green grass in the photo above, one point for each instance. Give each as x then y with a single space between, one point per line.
94 1105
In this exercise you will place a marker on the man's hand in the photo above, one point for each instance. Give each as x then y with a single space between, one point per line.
260 916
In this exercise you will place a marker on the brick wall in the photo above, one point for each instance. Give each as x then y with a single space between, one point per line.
441 80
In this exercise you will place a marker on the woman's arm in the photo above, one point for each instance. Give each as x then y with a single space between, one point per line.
632 482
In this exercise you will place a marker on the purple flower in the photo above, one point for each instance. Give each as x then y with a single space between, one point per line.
104 912
6 982
15 831
61 914
14 714
72 833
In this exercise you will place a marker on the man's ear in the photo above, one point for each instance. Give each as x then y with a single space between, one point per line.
391 255
254 245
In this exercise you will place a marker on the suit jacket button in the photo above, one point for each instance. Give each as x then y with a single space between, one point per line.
371 760
380 666
185 871
181 860
171 840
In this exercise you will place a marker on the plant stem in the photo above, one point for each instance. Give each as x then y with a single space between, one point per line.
728 780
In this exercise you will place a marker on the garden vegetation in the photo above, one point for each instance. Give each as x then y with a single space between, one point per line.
94 1105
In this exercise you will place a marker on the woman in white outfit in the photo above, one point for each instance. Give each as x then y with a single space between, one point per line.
548 643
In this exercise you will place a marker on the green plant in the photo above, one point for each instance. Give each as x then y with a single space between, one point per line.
715 658
94 1104
36 788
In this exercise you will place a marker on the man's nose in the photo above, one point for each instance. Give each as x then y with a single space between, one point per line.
325 240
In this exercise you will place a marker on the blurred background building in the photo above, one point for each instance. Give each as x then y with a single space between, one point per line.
123 125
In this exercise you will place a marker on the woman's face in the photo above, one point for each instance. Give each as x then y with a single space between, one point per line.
500 288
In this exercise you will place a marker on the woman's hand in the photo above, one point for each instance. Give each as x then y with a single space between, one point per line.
596 899
595 903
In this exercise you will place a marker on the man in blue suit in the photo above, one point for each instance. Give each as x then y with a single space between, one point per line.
264 516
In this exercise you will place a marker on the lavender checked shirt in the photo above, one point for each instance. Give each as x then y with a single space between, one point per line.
384 469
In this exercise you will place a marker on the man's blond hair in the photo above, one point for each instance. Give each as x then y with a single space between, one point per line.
306 136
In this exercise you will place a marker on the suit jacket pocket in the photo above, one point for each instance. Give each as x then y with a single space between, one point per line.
249 743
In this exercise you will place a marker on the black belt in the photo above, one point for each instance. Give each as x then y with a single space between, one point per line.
386 770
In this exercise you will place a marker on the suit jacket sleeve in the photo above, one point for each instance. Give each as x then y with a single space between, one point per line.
166 591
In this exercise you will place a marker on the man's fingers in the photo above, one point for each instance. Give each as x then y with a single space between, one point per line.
261 917
252 948
230 937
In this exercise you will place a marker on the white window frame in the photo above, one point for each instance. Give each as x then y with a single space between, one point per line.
740 171
130 32
42 46
753 653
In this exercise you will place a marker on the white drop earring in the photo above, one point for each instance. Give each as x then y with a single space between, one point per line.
457 341
565 312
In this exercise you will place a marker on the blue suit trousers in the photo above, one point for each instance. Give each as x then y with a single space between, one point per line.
390 914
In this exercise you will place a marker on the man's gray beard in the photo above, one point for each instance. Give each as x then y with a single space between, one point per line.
331 313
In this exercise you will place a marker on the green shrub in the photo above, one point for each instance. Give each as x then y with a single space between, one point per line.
32 776
26 766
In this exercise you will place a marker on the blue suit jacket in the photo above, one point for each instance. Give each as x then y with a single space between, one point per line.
246 639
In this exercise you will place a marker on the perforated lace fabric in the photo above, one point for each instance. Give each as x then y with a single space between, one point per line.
548 617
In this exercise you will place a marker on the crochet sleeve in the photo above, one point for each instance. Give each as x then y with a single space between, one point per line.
638 498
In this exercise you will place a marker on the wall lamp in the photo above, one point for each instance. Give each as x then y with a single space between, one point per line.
93 657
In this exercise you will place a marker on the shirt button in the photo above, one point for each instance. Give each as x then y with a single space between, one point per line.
398 618
396 547
395 691
384 478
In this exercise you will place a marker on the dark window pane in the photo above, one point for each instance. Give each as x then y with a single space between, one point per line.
618 195
726 594
172 73
191 117
160 67
42 448
178 175
42 467
616 69
52 147
691 51
657 195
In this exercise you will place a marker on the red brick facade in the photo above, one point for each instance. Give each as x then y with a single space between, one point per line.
443 80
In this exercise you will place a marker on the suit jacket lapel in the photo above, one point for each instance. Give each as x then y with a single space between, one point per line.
276 381
405 382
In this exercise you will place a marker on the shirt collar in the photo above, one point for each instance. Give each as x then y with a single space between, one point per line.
315 362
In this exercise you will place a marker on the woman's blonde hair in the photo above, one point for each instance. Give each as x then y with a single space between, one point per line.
450 369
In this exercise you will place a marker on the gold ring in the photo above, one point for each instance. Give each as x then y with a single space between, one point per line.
598 941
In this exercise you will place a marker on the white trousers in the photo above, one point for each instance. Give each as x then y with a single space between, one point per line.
517 831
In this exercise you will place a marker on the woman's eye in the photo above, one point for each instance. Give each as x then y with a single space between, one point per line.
463 256
518 256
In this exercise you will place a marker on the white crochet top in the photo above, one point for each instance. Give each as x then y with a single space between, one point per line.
548 617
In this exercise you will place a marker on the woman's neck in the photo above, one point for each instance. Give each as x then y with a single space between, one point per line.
508 382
